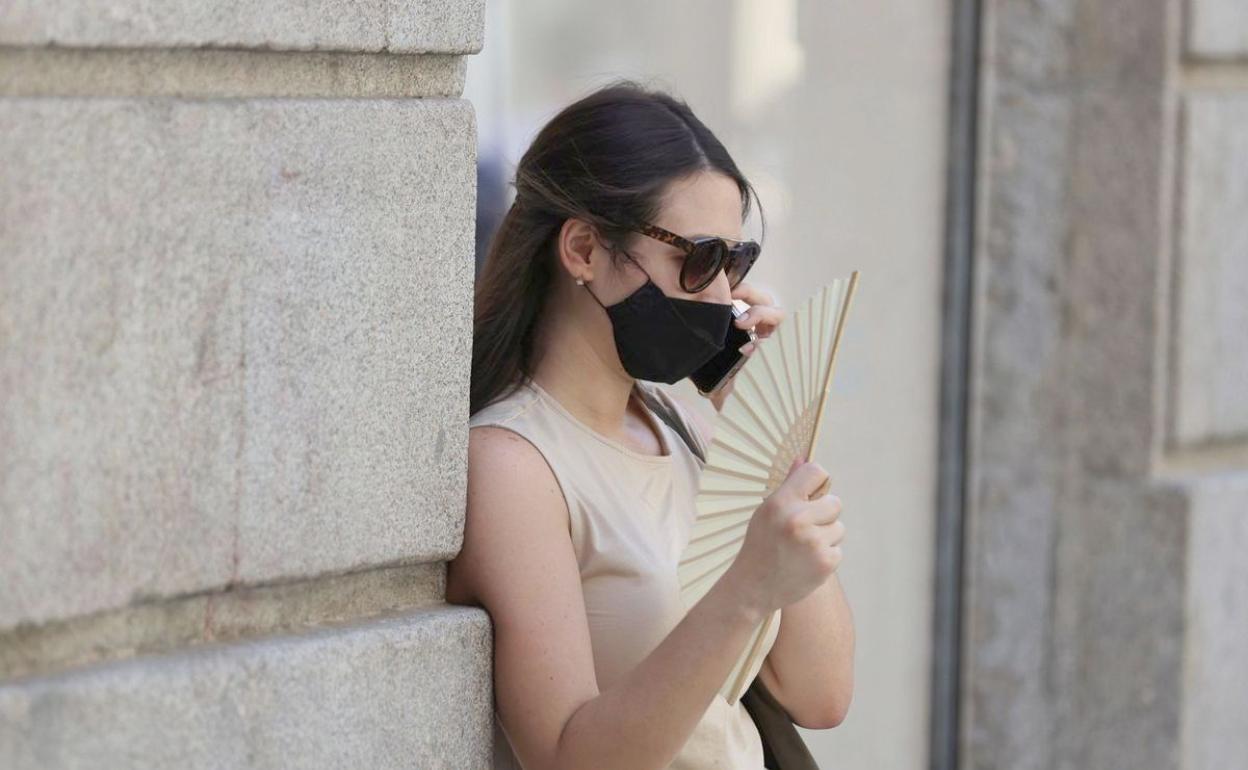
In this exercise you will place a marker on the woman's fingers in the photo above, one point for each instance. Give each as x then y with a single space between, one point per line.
763 315
751 294
825 509
763 318
833 533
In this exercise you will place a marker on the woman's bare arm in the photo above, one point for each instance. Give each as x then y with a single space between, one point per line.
517 562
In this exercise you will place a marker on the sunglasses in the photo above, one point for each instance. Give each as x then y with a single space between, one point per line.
705 257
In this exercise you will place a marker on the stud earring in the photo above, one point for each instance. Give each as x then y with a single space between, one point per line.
580 281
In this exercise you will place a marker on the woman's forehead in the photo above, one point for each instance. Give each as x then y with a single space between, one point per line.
702 204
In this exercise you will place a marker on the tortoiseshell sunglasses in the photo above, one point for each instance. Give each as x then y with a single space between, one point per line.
704 257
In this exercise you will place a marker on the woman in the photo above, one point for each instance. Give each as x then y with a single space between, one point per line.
580 498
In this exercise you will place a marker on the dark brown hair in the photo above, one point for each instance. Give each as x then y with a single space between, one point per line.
607 159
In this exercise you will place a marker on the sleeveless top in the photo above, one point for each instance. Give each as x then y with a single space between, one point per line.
630 516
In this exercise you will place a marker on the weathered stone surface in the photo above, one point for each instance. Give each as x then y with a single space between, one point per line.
1210 365
1114 674
1077 554
206 72
1217 28
243 612
231 343
436 26
1015 462
413 690
1215 683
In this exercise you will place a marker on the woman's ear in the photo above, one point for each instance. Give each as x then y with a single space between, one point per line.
576 244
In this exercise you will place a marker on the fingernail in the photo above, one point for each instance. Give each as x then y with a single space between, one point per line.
744 316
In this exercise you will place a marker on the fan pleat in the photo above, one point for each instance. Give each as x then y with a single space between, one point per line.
717 442
713 571
704 513
776 422
745 663
712 543
736 474
729 422
703 537
812 324
731 492
764 355
763 423
794 399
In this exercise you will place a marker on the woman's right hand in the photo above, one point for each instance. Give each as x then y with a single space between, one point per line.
792 543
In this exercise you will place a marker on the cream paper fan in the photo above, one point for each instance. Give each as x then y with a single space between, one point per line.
771 416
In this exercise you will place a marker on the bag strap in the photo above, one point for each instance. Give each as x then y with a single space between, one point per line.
676 425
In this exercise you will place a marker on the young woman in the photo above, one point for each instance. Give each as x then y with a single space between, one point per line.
580 498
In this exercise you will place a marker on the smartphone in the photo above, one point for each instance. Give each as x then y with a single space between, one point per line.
726 362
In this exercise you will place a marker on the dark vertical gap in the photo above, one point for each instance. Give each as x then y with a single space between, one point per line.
956 330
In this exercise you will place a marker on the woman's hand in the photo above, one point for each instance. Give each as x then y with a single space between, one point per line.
792 544
763 316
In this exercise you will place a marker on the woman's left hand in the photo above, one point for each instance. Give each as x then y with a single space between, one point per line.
763 316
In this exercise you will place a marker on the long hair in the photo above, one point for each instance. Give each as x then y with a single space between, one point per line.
605 159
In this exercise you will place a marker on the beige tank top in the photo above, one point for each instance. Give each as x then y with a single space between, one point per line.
630 515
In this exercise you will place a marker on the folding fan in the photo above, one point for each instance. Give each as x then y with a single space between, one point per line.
771 416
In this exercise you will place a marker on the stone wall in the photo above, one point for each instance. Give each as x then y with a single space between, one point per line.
1106 589
236 263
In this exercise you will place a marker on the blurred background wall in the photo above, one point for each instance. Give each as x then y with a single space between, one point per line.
837 113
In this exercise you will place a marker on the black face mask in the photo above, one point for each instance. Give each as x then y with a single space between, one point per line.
662 338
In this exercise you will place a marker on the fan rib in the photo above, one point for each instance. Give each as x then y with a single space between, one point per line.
739 509
800 366
791 405
713 533
731 492
755 647
777 422
747 457
740 666
710 571
788 407
825 294
735 474
728 420
812 323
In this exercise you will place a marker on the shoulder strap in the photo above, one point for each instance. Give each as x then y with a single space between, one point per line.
660 409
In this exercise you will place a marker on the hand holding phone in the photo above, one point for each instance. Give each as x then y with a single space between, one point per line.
714 373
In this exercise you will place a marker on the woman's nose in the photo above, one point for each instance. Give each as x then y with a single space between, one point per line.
717 290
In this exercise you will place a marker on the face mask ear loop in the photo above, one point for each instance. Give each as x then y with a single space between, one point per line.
586 285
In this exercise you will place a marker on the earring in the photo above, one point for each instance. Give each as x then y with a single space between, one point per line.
580 282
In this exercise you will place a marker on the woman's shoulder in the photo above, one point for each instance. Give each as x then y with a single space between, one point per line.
513 402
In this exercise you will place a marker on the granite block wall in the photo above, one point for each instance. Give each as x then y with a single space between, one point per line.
236 263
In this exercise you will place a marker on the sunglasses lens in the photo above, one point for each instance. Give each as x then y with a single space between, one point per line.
703 264
740 261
